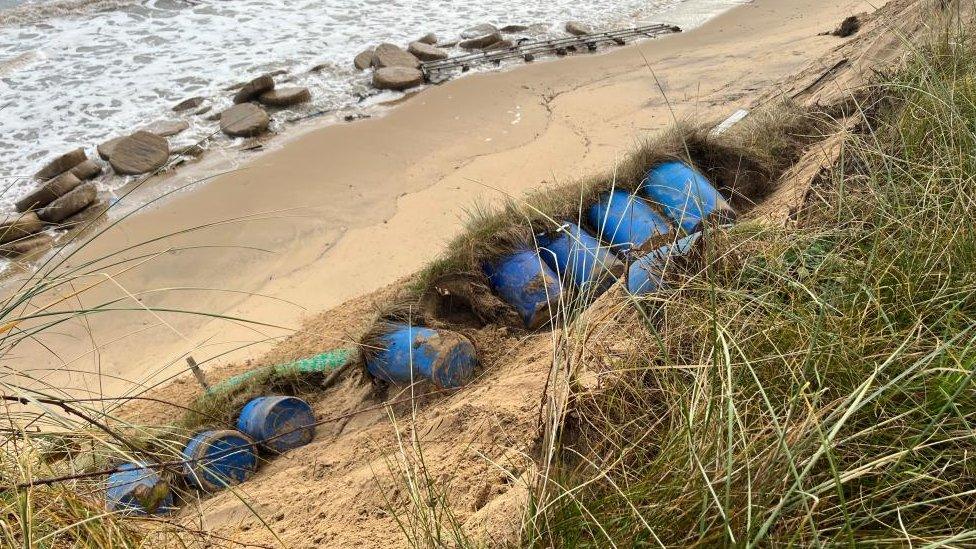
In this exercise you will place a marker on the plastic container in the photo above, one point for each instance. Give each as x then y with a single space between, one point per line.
278 423
580 259
412 353
646 275
138 490
218 459
626 222
685 196
524 281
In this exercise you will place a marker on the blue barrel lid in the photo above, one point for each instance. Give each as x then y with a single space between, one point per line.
278 423
137 489
217 459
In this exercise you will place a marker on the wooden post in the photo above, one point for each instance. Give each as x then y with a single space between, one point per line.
197 373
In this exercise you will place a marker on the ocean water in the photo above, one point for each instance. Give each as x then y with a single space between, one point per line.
78 72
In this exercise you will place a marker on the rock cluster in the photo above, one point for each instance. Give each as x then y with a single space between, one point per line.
60 195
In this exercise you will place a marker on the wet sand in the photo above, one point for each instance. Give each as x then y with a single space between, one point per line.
345 209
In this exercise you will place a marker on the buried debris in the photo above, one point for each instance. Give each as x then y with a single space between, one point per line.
848 27
139 490
218 459
278 423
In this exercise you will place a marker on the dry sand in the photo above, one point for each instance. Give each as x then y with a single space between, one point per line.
346 209
355 207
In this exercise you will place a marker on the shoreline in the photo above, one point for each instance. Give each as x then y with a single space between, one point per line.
344 209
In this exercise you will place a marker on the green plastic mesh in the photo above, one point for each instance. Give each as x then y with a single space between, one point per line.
321 363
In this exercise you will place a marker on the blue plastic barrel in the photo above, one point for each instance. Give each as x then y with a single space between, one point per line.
138 490
217 459
686 196
411 353
528 284
646 275
278 423
580 259
626 221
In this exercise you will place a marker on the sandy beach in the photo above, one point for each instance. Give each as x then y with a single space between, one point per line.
343 210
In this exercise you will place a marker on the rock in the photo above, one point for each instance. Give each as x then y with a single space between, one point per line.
397 78
213 117
61 164
48 192
528 58
426 52
19 226
69 204
31 245
203 110
167 128
95 209
500 45
479 30
363 59
285 97
139 153
86 170
391 55
481 41
254 88
105 149
244 120
448 44
577 28
508 29
276 72
188 104
429 38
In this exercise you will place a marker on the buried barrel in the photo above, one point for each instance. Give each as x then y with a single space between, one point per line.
217 459
685 196
528 284
626 221
411 353
646 275
278 423
580 259
139 490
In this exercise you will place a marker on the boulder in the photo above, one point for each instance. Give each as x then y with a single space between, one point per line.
479 30
18 226
481 41
508 29
69 204
61 164
244 120
429 38
391 55
426 52
397 78
86 170
503 44
139 153
362 61
48 192
285 97
95 209
167 128
188 104
105 149
254 88
577 28
203 110
27 246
